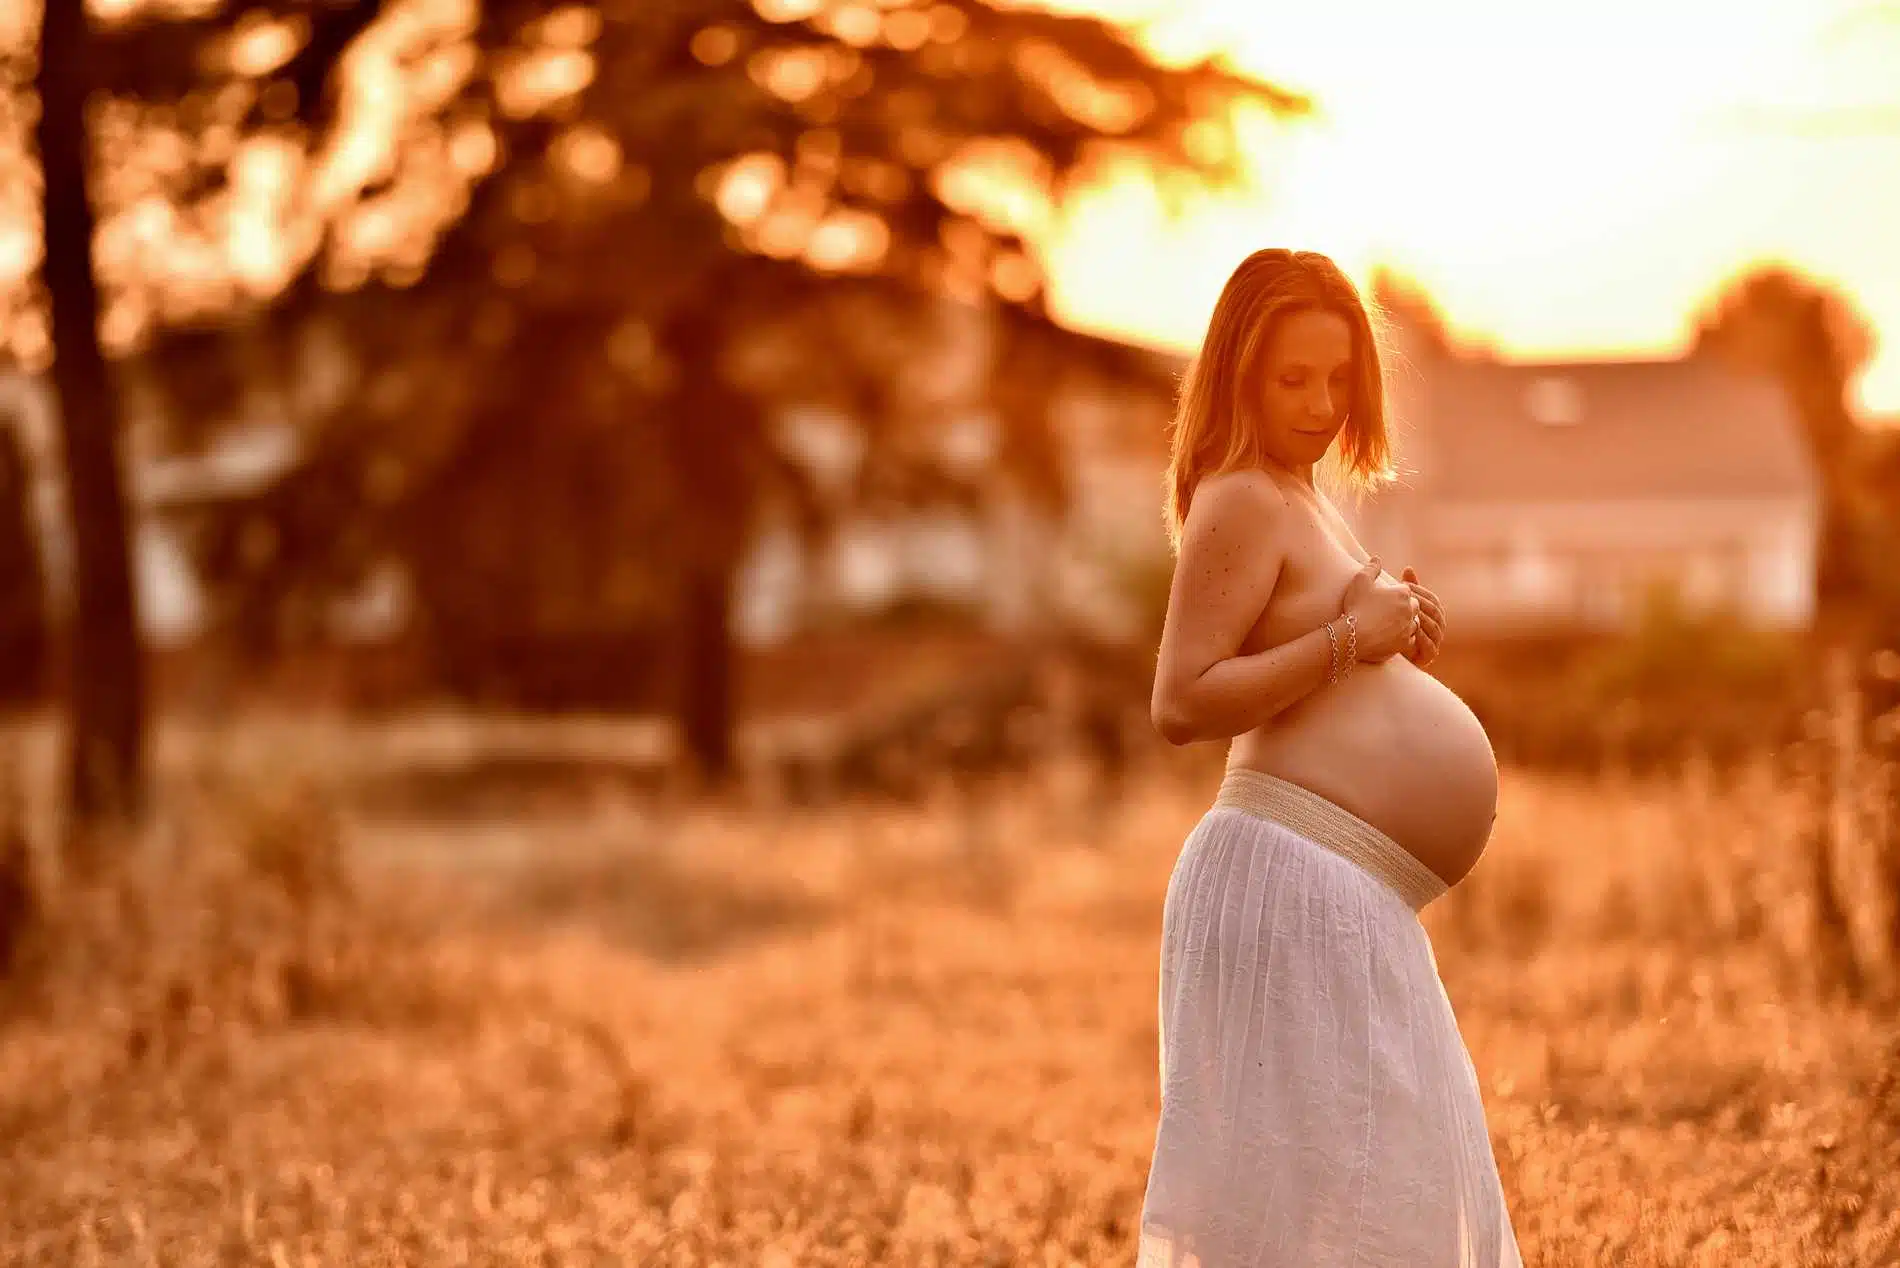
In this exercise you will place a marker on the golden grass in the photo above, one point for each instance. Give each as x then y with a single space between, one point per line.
700 1034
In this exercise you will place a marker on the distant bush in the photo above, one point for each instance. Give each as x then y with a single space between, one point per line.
1672 652
1677 683
1144 580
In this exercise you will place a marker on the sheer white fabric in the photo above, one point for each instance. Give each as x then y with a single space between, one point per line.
1318 1105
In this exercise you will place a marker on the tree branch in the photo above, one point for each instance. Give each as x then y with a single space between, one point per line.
164 60
309 69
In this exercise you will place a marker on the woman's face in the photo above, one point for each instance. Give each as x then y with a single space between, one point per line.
1307 387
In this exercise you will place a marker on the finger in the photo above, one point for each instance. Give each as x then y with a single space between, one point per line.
1425 595
1410 575
1372 567
1429 603
1431 628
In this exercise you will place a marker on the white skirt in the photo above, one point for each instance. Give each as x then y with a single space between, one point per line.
1318 1105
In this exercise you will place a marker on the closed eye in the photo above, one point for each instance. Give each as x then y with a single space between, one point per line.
1339 377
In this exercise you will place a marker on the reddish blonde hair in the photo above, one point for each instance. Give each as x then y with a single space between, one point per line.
1212 429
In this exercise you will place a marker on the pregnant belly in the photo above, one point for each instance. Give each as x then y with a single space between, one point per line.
1399 749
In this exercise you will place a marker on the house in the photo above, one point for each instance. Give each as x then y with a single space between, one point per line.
1559 496
1534 498
978 533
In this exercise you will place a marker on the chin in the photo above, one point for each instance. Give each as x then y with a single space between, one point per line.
1298 449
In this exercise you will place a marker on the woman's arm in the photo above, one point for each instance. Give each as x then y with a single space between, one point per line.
1232 548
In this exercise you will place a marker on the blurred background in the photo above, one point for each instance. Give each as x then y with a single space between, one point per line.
544 547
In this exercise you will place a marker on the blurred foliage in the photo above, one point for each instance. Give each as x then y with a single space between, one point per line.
1881 546
534 345
1677 685
1401 301
1811 339
1671 650
1144 580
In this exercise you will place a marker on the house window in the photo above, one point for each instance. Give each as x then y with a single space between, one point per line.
1471 576
1554 400
1602 594
1712 578
1530 572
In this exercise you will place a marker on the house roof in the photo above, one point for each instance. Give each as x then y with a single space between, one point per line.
1123 361
1588 431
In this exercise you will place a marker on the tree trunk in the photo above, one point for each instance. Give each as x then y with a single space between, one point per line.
105 729
705 700
715 436
22 581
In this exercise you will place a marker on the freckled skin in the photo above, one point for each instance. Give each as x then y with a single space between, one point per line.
1265 561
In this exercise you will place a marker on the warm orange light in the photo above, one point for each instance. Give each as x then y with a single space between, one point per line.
1476 146
575 26
590 153
1015 277
793 74
782 235
473 148
907 29
746 187
855 24
440 77
787 10
260 45
533 83
948 23
715 45
848 240
1566 179
19 252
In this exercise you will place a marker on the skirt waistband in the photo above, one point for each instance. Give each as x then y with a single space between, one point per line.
1325 824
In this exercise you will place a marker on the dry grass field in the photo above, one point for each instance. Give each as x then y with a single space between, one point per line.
607 1028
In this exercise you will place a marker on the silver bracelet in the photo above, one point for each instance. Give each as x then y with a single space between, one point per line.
1332 652
1352 645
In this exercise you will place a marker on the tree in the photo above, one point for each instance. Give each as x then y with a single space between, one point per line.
79 75
690 172
1410 305
106 684
611 206
1813 342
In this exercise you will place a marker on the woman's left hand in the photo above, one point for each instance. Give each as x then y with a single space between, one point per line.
1431 623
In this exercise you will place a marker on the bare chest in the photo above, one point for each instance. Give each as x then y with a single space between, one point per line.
1322 559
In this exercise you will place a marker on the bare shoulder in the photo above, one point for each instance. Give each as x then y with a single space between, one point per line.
1236 505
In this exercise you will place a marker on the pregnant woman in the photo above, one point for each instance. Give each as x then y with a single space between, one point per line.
1318 1104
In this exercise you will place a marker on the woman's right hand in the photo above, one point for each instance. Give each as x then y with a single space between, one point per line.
1386 613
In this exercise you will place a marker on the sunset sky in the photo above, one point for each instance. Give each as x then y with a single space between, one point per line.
1567 179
